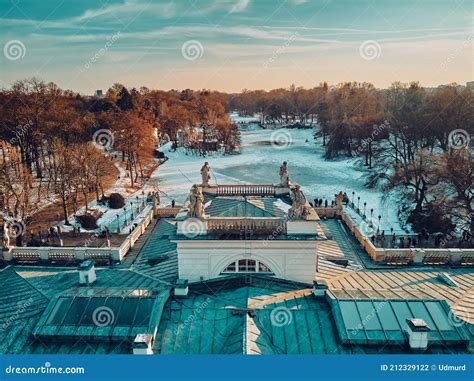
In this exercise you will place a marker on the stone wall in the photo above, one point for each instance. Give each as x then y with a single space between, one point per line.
206 259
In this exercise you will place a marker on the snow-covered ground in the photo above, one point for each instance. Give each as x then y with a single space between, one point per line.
259 163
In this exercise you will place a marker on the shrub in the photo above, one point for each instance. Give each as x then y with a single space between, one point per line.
116 201
88 221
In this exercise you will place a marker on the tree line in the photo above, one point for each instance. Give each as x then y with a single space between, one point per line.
57 142
414 140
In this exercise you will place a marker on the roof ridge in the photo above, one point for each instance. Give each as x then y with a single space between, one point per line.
258 207
138 272
30 284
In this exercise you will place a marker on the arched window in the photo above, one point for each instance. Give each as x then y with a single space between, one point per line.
247 266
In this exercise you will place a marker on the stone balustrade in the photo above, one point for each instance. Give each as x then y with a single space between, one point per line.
74 255
271 226
245 190
405 256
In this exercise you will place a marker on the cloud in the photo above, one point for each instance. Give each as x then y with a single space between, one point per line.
129 8
240 6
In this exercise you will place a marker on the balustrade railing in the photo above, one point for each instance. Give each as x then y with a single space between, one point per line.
246 190
253 226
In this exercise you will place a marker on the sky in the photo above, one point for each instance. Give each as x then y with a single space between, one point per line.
231 45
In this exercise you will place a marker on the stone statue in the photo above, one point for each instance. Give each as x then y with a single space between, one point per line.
6 234
298 204
196 208
284 179
206 174
339 200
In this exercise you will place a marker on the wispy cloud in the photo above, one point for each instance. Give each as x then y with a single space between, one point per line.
240 6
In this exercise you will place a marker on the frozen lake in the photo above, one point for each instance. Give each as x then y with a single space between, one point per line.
259 163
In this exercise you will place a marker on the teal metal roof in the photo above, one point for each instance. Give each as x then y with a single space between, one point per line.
373 322
94 313
240 207
26 293
158 256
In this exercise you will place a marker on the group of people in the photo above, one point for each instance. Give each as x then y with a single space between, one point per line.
422 239
318 203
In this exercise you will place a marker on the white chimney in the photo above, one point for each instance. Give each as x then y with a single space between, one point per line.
143 344
87 273
418 331
181 287
319 289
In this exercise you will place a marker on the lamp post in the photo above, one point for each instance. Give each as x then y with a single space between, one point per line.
118 223
131 210
365 204
371 213
125 215
378 227
353 193
358 201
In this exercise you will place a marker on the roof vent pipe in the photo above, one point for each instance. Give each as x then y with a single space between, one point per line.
181 287
417 331
143 344
86 273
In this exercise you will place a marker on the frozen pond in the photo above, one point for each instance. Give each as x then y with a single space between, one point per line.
259 163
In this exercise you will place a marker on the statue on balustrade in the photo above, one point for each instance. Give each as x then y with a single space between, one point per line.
284 177
339 200
196 207
206 174
298 208
6 234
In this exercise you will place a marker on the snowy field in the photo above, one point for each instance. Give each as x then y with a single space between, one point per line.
259 163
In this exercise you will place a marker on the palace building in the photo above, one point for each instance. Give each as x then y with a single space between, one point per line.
241 269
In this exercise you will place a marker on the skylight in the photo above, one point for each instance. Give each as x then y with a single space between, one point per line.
380 321
99 313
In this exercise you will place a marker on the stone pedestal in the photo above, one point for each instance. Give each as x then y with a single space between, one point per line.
301 227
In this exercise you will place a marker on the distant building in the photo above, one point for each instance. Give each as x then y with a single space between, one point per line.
470 85
99 93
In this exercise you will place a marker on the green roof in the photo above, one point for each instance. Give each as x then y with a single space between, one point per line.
96 313
379 321
243 207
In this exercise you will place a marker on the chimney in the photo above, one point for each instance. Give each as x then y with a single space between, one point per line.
87 273
319 289
418 331
181 287
143 344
